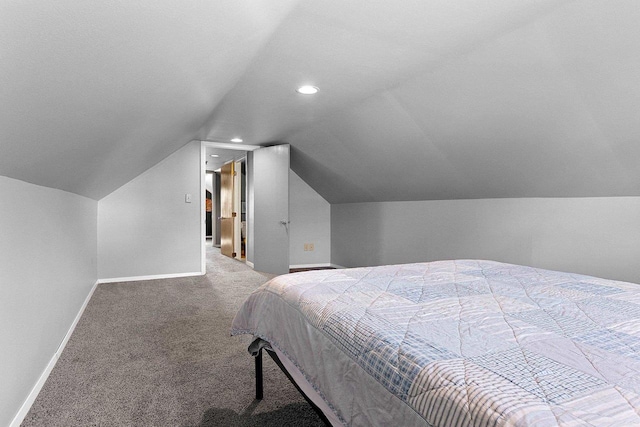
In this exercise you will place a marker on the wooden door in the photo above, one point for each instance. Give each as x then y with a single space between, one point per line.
226 209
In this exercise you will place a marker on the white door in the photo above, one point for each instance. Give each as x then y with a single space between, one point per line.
270 209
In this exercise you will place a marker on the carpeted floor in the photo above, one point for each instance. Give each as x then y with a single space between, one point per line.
158 353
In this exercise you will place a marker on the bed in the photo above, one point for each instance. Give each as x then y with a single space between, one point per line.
454 343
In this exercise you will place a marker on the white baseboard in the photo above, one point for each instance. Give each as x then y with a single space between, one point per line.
339 267
249 263
322 265
24 409
153 277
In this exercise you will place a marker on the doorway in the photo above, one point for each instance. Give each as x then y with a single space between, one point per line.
224 185
241 206
212 208
258 219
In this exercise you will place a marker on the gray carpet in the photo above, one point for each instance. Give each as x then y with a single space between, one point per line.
158 353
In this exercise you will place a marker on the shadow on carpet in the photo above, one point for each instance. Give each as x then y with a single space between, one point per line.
294 414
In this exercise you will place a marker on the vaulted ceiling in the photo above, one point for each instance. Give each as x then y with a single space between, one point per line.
433 99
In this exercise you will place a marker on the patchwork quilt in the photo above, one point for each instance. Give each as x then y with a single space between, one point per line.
458 343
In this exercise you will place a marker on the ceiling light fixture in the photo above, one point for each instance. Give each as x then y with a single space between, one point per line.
215 155
236 140
307 90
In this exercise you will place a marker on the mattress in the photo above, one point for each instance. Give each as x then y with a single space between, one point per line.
457 343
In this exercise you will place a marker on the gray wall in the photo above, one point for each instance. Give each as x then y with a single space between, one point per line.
596 236
146 228
47 269
310 217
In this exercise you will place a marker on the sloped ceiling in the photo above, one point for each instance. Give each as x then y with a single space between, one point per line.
418 100
94 93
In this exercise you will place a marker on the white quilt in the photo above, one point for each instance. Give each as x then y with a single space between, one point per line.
458 343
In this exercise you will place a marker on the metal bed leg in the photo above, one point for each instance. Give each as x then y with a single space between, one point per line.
318 411
259 388
256 348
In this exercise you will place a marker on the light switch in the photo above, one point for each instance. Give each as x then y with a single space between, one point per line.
187 198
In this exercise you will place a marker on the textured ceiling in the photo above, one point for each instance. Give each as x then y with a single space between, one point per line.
418 100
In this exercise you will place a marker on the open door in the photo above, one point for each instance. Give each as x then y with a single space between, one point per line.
227 214
270 209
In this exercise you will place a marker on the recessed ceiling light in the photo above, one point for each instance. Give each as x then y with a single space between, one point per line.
307 90
236 140
215 155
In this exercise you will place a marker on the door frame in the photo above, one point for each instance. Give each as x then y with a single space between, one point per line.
203 170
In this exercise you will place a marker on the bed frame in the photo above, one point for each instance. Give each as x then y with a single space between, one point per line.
259 380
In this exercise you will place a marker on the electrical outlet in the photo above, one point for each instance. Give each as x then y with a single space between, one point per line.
306 247
187 198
